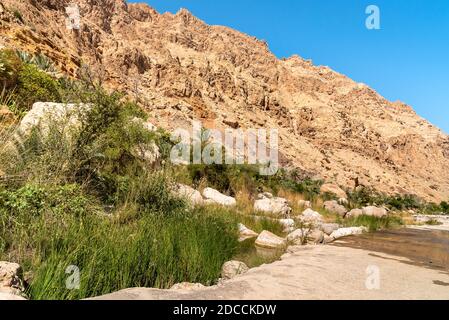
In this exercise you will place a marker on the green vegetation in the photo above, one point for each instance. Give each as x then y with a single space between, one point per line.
373 223
18 15
82 196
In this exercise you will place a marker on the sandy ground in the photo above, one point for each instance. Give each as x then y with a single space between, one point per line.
319 272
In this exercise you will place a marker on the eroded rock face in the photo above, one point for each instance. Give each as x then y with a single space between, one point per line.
231 269
215 197
333 189
184 69
268 240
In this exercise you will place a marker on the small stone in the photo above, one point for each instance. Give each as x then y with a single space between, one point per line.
232 269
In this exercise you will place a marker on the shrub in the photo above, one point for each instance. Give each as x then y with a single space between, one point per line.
373 223
34 85
10 66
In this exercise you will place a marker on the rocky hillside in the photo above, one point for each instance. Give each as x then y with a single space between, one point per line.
181 69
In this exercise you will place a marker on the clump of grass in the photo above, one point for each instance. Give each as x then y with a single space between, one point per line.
433 222
18 15
373 223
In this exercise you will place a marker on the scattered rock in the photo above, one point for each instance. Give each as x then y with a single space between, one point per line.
148 153
278 206
333 189
11 278
374 212
343 201
344 232
264 195
187 192
232 269
269 240
354 213
246 233
216 197
328 228
288 224
334 207
310 216
187 286
305 204
303 236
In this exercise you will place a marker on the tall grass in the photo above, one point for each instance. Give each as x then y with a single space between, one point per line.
373 223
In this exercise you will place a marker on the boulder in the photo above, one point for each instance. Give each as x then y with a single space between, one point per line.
278 206
187 286
328 228
305 204
334 207
333 189
269 240
374 212
303 236
11 278
264 195
327 239
354 213
187 192
213 196
246 233
148 153
232 269
344 232
68 114
343 201
288 224
310 216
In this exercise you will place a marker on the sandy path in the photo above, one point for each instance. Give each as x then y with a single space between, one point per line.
318 272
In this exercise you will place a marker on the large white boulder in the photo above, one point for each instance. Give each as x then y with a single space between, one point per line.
312 217
42 113
275 205
269 240
344 232
374 212
232 269
333 189
188 193
334 207
216 197
245 233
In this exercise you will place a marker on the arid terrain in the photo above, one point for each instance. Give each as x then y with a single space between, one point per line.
182 69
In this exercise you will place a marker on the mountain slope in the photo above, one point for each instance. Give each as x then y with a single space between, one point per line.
182 69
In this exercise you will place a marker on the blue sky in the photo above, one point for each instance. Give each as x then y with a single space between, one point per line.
407 59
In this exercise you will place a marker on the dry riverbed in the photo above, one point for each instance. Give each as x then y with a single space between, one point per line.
410 263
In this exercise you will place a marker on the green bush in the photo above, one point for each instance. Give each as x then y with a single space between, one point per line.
373 223
34 85
10 66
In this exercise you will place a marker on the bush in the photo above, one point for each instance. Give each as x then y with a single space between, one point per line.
10 66
34 85
373 223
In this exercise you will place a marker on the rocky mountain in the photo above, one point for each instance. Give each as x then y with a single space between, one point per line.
182 69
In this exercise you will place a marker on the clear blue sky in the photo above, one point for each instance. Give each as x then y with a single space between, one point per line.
407 60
